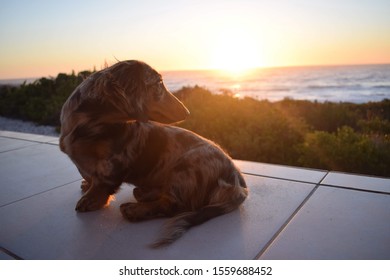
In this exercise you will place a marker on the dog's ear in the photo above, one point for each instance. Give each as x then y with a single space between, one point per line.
149 96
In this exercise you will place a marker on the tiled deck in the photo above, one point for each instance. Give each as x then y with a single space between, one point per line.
292 213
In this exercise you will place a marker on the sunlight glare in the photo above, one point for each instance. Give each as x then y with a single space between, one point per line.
236 51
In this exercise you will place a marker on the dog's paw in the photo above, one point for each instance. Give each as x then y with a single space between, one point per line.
128 211
136 212
85 186
91 203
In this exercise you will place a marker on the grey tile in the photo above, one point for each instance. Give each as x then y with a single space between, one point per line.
280 171
337 224
33 169
357 182
45 226
27 136
55 141
4 256
8 144
7 255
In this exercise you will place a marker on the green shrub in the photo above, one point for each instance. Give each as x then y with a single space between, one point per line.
40 101
346 151
245 128
335 136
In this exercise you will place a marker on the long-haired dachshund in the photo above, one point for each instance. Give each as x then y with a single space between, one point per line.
111 129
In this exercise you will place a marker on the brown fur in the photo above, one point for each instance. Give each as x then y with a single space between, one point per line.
113 128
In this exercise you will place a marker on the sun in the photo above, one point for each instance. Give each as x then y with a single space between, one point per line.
236 51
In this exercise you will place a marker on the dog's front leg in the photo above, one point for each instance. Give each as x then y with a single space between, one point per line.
97 196
86 182
85 185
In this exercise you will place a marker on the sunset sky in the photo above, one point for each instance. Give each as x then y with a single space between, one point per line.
42 38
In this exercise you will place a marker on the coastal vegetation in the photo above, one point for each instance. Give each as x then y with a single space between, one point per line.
344 137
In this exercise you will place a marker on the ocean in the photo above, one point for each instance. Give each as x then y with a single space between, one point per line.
357 84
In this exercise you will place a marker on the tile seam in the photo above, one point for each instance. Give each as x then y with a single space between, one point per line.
284 179
355 189
39 193
21 148
9 253
289 219
28 140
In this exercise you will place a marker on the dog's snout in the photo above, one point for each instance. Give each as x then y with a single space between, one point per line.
167 110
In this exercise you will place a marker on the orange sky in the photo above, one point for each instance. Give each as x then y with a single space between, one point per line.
42 38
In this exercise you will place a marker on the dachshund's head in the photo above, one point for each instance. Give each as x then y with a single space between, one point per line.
130 89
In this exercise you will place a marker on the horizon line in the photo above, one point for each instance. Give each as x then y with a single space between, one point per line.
211 69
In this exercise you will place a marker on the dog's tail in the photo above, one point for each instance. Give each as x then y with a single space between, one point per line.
229 198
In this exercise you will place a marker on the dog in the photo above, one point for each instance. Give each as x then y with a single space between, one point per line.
115 128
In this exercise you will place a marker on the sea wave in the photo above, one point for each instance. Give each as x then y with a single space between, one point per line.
356 84
331 83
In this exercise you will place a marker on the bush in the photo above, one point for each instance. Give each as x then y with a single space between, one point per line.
245 128
335 136
40 101
346 151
